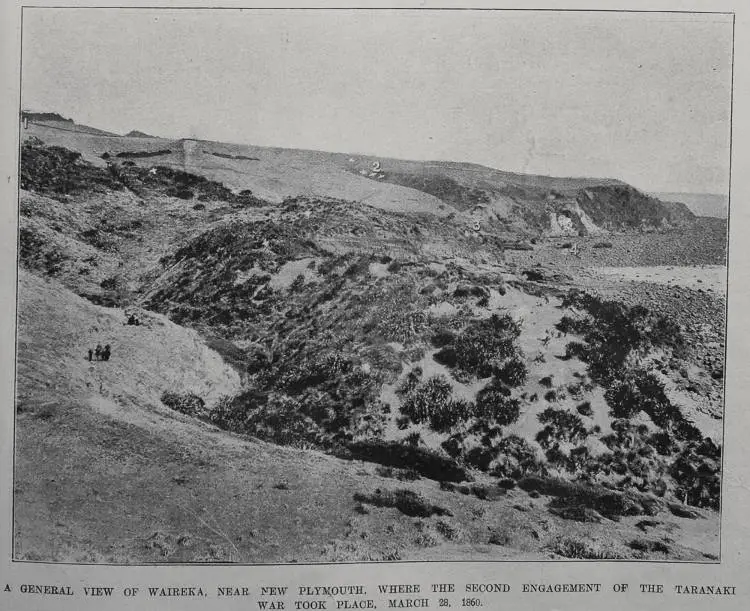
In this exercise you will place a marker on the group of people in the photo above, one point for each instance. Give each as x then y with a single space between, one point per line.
101 354
134 320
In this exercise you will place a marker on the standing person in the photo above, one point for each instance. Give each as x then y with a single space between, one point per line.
91 354
98 352
106 353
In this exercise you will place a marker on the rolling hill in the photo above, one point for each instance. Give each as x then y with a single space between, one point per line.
334 364
500 201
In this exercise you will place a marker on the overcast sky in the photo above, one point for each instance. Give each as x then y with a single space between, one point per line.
640 97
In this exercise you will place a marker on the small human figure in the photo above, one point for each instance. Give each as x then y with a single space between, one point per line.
107 351
91 354
131 320
98 352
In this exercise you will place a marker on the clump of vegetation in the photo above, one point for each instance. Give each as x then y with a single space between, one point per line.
642 392
483 346
582 549
673 460
494 404
516 458
272 418
426 462
403 475
585 409
185 403
560 426
609 503
513 373
425 398
432 401
546 381
58 171
38 254
406 501
613 331
649 546
697 473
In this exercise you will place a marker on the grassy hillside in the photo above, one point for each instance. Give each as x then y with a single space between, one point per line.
462 397
105 473
525 203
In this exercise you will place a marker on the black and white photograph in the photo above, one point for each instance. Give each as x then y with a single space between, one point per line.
370 285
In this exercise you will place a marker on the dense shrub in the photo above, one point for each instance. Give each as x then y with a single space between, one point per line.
447 415
403 475
410 382
568 324
480 457
185 403
274 418
427 463
613 331
442 337
561 426
516 458
431 401
585 409
546 381
446 356
38 254
180 192
649 546
513 373
609 503
484 345
60 171
494 404
430 396
582 549
406 501
453 446
697 473
644 392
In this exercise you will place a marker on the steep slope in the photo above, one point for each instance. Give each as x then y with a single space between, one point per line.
56 328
